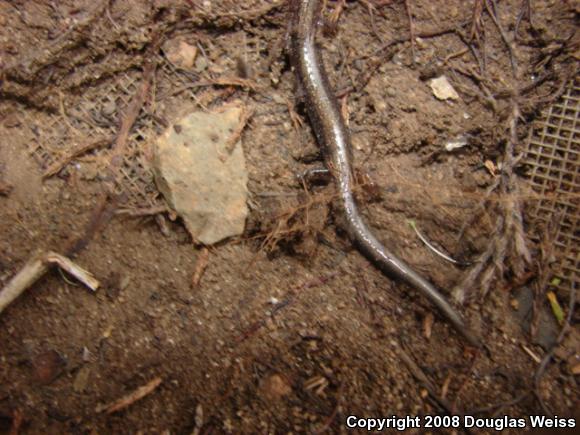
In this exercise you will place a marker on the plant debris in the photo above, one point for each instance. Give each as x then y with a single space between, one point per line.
35 268
128 400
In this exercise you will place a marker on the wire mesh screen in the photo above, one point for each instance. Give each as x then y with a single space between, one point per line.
552 154
94 115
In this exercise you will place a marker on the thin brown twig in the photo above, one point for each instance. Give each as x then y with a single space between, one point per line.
485 94
109 199
498 406
420 376
476 20
231 141
132 112
221 81
100 216
17 420
200 266
491 7
288 300
328 422
525 12
35 268
423 35
56 167
141 212
455 55
411 29
131 398
477 34
371 10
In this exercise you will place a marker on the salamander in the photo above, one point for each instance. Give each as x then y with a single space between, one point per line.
333 137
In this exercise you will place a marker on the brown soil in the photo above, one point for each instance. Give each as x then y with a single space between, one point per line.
295 331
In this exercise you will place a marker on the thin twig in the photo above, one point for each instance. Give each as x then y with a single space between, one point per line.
56 167
100 216
232 140
131 398
525 12
491 7
141 212
433 248
36 268
411 29
497 406
371 9
423 35
289 299
132 112
17 420
200 266
420 376
222 81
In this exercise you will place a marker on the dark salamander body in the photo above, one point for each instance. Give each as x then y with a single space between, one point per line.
333 137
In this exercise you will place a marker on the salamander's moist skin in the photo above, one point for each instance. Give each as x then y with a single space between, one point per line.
333 137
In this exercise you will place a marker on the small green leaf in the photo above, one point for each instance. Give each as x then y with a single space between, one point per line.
556 308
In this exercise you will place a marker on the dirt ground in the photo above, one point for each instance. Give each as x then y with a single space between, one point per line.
290 329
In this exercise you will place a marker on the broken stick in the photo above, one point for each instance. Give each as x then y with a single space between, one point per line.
130 398
35 268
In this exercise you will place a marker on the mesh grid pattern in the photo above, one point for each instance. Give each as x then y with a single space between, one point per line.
95 115
552 153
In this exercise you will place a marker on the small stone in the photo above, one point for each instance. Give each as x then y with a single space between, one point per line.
86 354
109 108
390 92
274 387
200 64
12 121
124 282
442 89
47 366
455 143
180 53
81 380
89 172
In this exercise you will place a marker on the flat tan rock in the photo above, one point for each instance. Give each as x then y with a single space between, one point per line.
180 53
202 173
